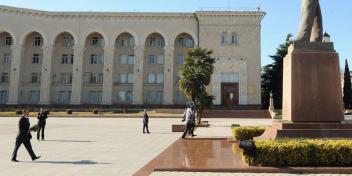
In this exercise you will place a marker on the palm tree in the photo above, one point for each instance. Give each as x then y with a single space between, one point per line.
196 76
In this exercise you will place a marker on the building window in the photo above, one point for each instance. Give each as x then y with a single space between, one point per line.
130 60
155 78
125 96
158 42
96 59
96 78
151 78
34 97
126 78
68 42
65 59
124 43
8 41
35 59
123 78
127 43
224 38
4 78
180 59
153 98
123 59
35 78
229 77
65 78
161 59
156 60
181 42
95 97
160 78
152 59
234 39
7 58
131 42
72 57
37 41
3 96
64 97
189 43
97 42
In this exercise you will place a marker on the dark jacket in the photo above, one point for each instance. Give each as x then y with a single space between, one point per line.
23 129
42 118
145 118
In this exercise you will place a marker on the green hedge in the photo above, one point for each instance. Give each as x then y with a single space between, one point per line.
303 152
247 132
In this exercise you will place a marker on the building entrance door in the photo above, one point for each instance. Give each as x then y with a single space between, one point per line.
229 94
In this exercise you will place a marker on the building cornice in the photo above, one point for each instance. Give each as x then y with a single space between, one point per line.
124 15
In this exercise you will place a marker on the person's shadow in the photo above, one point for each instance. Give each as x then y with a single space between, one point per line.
82 162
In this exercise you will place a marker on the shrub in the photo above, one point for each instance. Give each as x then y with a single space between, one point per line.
18 112
95 111
69 111
302 152
247 133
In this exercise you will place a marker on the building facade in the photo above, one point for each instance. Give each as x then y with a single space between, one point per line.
124 58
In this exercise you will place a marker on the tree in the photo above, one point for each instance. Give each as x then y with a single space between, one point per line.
196 76
347 89
272 76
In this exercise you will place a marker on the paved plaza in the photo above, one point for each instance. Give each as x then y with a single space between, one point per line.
106 146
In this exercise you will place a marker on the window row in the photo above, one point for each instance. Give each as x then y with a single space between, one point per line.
155 78
65 78
94 78
225 40
98 59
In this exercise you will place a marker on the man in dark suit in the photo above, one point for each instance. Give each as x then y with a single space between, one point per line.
145 121
23 137
42 116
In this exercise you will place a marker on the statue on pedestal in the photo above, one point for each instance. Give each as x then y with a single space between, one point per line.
311 25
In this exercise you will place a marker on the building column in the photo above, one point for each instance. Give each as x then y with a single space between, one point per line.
108 77
77 75
138 75
243 83
15 74
45 82
168 75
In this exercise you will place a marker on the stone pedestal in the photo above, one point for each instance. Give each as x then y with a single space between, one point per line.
285 129
312 94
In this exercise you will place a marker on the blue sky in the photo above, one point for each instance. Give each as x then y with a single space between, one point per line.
282 16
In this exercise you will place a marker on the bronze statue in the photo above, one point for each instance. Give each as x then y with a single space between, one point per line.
311 25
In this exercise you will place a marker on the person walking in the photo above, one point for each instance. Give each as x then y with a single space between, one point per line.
42 116
187 116
24 137
145 122
193 124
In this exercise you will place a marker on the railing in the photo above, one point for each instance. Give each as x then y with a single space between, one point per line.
232 9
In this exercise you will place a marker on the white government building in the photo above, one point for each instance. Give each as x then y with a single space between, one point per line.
124 58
